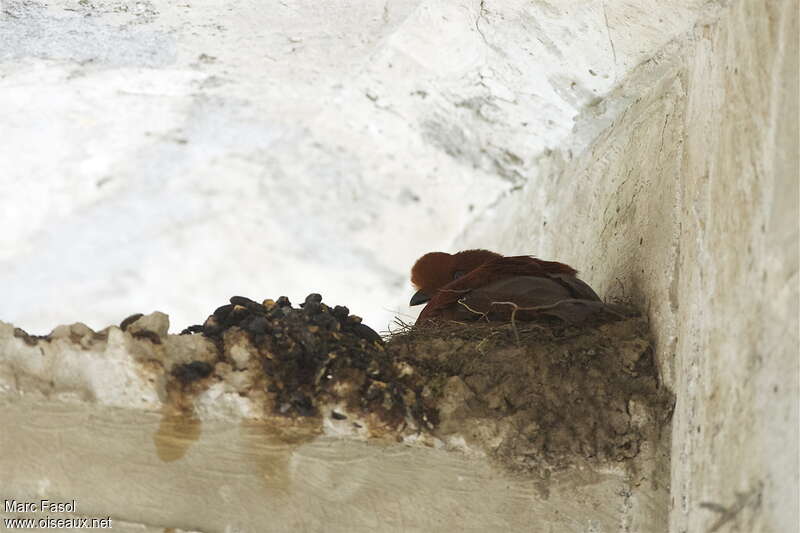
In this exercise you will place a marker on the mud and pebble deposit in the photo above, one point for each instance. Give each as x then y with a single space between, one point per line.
531 395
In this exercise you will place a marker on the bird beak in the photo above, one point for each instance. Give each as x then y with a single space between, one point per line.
419 298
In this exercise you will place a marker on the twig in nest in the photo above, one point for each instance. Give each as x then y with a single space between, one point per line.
402 328
479 346
471 310
513 317
566 300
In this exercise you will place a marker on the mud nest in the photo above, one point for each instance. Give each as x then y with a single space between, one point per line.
542 393
527 394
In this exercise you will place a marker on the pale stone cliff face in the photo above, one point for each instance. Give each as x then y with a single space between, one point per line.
687 206
165 156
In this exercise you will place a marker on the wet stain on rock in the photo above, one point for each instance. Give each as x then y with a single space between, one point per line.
176 433
130 320
180 427
269 449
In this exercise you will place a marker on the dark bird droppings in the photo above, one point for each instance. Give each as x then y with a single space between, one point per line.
197 328
248 304
130 320
300 347
189 372
312 298
312 304
152 336
365 332
256 325
222 312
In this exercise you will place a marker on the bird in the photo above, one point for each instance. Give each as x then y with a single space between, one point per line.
480 284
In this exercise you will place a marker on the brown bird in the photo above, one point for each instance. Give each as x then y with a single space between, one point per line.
476 284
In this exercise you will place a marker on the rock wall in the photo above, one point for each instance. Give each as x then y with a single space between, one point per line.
687 205
676 190
165 156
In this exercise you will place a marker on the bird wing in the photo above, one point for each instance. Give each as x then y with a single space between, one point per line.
497 300
508 267
578 288
529 298
539 281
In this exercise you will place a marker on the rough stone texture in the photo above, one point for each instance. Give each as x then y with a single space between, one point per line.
687 206
676 188
286 406
163 155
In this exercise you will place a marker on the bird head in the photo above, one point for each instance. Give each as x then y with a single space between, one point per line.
434 270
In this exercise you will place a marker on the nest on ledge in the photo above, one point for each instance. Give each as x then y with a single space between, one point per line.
528 394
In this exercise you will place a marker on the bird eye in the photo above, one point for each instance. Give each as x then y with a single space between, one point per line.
458 273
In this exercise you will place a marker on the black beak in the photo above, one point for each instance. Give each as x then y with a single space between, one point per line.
419 298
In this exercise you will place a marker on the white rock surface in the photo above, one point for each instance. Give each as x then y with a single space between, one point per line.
161 155
687 205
